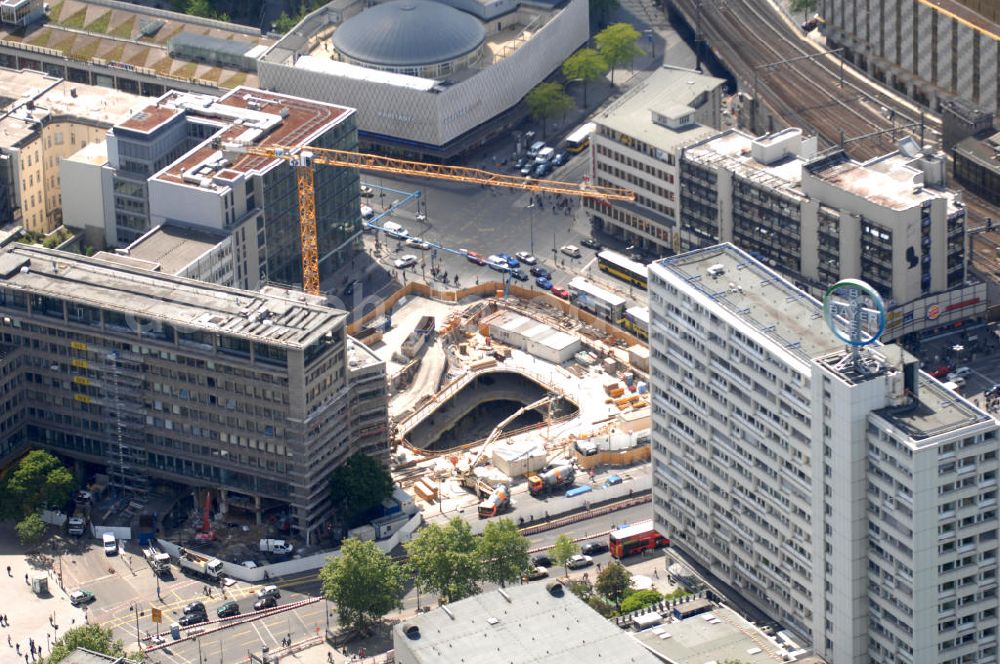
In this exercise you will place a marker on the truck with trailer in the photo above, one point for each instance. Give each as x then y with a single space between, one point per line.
158 561
200 566
497 503
551 480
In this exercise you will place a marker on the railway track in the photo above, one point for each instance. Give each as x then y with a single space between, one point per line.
749 34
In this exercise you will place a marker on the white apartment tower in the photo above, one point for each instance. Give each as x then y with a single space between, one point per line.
856 507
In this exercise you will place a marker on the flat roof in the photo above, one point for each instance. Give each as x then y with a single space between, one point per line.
965 14
133 38
762 298
983 148
938 410
718 636
173 248
51 96
95 154
520 624
357 72
664 91
274 316
733 151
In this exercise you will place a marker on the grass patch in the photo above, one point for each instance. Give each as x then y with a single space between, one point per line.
100 24
75 20
212 74
115 54
55 11
124 29
86 50
139 58
234 81
186 71
163 65
66 45
39 37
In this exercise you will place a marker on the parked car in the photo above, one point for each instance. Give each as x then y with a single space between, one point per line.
496 263
268 591
612 480
571 250
560 292
535 573
539 271
511 261
528 168
265 603
81 597
366 191
541 560
518 274
405 261
526 258
110 544
194 607
559 159
579 561
542 170
228 609
594 548
941 371
189 619
418 243
591 243
473 257
543 283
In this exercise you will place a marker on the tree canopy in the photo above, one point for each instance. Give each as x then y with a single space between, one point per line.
92 637
39 479
803 6
503 552
30 529
547 100
614 582
586 65
204 9
363 582
617 44
563 549
357 486
444 559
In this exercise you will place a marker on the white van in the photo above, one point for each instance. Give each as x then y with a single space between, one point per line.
535 148
110 544
392 229
545 155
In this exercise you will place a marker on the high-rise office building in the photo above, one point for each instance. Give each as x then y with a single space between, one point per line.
855 502
151 377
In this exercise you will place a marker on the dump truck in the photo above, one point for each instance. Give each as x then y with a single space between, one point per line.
200 566
551 480
158 561
498 502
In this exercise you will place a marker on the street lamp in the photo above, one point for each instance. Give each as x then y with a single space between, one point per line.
531 225
135 610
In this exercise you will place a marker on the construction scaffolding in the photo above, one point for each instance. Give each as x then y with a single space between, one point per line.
126 449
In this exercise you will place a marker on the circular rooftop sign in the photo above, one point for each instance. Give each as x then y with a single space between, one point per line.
854 312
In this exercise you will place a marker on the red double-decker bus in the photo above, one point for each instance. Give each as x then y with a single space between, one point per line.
638 537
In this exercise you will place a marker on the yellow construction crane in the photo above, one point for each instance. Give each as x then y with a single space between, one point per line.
305 158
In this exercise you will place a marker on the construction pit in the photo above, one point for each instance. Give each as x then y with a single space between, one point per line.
499 391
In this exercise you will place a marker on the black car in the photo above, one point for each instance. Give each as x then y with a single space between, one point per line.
194 618
591 243
539 271
268 602
593 548
560 159
541 560
228 609
518 274
194 607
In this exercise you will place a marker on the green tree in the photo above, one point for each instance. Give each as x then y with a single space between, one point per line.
563 549
357 486
804 6
601 8
444 559
39 479
614 582
92 637
30 529
363 582
503 552
617 44
204 9
586 65
546 101
285 22
640 599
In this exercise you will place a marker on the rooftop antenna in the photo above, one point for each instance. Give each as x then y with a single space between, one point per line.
855 313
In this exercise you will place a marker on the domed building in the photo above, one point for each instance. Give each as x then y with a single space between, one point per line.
414 37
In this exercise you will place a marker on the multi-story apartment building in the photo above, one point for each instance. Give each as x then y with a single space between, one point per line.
929 50
855 503
637 144
153 377
817 219
166 163
42 120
